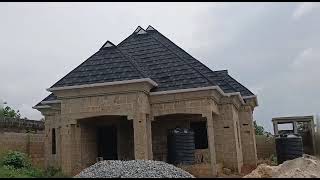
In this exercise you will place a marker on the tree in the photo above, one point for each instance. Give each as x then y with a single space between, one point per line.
259 129
9 112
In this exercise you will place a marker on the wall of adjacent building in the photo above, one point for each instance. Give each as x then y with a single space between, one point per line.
265 146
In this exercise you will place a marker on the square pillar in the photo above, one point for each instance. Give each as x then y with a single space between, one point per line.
227 138
70 150
248 137
211 142
142 137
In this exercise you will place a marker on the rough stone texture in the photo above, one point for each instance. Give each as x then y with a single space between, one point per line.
76 143
248 141
133 169
227 138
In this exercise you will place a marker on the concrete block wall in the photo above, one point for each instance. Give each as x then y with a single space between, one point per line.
149 139
227 144
248 138
30 143
265 146
159 136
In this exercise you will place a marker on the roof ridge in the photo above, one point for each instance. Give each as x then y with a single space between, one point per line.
134 63
189 64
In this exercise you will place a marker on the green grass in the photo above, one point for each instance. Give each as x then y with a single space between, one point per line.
14 164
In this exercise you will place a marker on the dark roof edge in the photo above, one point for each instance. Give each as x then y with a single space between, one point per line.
74 69
239 84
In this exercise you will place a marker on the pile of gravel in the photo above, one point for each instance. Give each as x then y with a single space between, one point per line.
133 169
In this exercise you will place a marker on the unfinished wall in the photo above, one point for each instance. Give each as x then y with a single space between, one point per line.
29 143
265 146
227 137
159 136
248 141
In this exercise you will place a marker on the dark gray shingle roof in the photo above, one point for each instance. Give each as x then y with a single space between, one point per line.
149 55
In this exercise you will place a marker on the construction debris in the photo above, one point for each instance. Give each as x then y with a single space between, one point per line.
303 167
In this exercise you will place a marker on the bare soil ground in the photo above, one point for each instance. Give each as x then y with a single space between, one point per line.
304 167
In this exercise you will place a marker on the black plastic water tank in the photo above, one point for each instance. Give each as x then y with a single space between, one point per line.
181 146
288 147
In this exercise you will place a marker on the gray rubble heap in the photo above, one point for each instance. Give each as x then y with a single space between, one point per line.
133 169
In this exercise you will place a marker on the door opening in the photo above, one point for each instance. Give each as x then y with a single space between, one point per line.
107 142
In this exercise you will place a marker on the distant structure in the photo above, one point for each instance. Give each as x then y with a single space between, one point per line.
306 126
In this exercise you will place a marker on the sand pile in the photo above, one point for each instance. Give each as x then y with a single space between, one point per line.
304 167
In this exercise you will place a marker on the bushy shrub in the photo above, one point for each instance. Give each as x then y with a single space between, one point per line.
16 160
16 164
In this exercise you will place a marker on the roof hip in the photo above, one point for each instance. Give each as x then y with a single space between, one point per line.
189 64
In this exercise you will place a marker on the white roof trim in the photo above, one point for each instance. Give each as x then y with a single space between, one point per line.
41 107
142 31
200 89
108 44
248 97
104 84
188 90
150 28
51 102
138 29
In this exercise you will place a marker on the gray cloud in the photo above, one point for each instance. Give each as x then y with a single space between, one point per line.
272 48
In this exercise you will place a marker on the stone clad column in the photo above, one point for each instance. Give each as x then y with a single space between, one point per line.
227 140
248 140
70 151
211 142
66 143
142 137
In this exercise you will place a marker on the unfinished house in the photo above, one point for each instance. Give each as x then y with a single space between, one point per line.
121 101
305 126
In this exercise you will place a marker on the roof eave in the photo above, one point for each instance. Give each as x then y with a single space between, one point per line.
150 81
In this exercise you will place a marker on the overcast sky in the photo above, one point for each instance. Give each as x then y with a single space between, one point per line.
271 48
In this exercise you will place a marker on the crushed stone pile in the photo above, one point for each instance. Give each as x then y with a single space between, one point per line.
303 167
133 169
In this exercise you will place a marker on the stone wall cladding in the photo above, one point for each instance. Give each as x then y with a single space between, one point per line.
228 150
248 138
149 141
